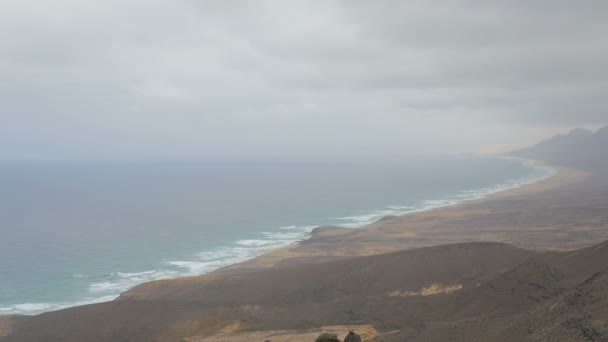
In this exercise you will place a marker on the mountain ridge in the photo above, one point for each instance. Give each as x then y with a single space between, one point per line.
580 148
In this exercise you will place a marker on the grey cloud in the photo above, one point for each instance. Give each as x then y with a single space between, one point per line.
278 77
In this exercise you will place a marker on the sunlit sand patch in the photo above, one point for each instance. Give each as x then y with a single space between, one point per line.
6 325
427 291
367 333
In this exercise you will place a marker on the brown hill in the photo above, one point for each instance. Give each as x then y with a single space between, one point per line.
580 148
299 297
460 292
360 277
553 297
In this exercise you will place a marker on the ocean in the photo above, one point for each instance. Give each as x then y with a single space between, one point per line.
73 233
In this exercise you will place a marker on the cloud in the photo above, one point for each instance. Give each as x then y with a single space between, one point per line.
171 78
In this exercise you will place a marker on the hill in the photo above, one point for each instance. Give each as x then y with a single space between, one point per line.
473 291
580 148
351 291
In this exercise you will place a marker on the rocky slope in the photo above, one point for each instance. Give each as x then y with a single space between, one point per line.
580 148
495 292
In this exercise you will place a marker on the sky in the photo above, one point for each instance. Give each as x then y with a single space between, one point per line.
132 79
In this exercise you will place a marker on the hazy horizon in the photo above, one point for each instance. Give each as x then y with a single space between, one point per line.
287 170
187 79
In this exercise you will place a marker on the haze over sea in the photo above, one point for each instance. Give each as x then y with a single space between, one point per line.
81 232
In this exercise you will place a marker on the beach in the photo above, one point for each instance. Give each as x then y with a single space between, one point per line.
477 220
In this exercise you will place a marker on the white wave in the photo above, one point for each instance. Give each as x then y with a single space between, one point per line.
122 281
223 253
208 261
196 267
253 242
283 236
540 173
362 220
299 228
307 228
33 306
400 207
211 260
107 286
134 274
213 255
358 218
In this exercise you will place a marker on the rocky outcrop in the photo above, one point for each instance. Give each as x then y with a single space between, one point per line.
352 337
327 337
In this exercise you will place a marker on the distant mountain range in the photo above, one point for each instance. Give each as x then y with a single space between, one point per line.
580 148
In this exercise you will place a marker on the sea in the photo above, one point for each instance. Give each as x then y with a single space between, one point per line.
74 233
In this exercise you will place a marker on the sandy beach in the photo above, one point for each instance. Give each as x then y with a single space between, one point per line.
516 216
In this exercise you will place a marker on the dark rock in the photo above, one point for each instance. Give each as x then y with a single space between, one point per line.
352 337
327 337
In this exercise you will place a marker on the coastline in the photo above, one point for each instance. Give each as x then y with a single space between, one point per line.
304 251
300 251
374 293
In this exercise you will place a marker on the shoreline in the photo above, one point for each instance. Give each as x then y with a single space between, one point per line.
280 254
274 257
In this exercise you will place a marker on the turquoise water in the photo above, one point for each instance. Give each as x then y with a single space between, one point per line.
76 233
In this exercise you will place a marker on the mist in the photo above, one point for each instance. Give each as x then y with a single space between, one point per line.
178 79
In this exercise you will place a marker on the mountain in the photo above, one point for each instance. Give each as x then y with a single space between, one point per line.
460 292
580 148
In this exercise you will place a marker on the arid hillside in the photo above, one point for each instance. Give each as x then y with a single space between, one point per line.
483 291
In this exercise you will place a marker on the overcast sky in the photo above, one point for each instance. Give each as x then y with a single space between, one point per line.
174 78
